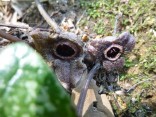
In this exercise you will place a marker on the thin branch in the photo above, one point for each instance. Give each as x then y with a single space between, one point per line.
85 88
24 27
135 85
9 37
50 21
116 101
14 26
116 23
78 21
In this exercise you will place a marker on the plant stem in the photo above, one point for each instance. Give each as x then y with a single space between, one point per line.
85 88
9 37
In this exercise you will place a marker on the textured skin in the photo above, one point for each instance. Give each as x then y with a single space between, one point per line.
110 66
69 71
97 47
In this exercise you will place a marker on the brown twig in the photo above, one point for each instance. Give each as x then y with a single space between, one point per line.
24 27
116 25
115 99
14 26
9 37
50 21
85 88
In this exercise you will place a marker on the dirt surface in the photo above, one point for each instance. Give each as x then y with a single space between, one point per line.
96 19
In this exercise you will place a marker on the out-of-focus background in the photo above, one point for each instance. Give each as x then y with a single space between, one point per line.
97 18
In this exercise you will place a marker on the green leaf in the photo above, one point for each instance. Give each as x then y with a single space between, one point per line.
28 87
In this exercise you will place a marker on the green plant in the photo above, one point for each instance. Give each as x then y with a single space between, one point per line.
136 16
148 61
28 87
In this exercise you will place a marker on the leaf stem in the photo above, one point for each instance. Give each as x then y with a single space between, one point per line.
85 88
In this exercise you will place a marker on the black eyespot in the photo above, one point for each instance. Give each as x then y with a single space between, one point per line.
66 50
113 52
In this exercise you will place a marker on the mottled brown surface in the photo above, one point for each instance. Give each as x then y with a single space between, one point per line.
69 69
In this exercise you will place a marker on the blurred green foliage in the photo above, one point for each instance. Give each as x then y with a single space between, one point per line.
28 87
136 15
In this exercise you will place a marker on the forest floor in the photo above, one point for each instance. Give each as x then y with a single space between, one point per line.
97 18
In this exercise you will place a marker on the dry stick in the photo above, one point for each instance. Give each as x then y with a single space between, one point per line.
24 27
78 21
9 37
85 88
116 23
135 85
14 26
50 21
